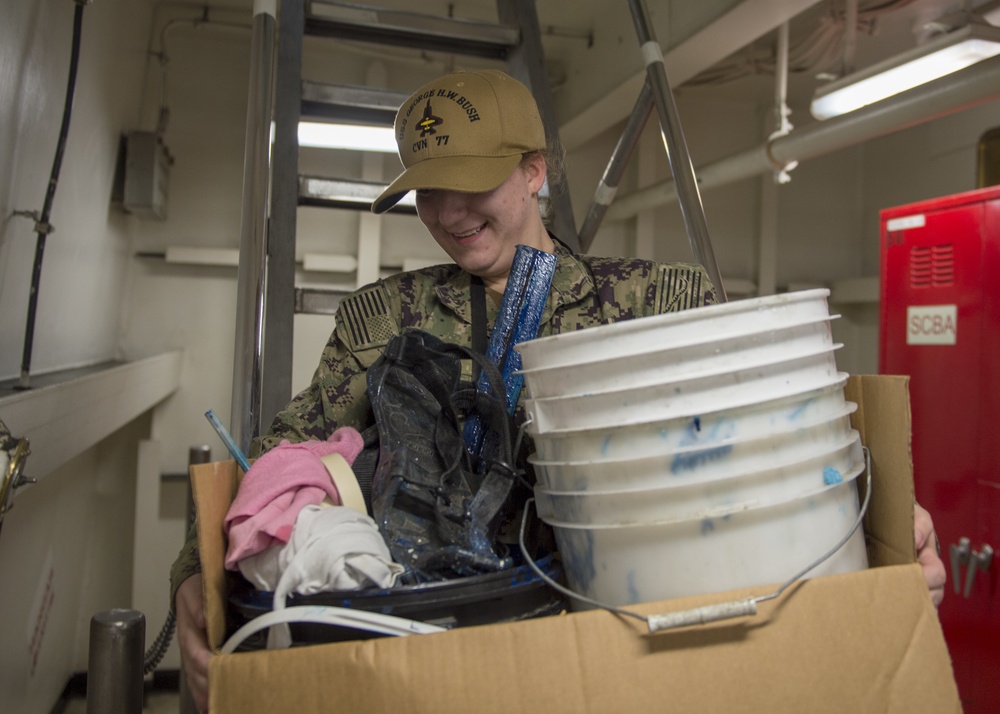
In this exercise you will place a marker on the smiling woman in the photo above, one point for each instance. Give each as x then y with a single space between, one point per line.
480 231
477 175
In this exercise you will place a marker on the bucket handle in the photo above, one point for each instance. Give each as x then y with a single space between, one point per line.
707 613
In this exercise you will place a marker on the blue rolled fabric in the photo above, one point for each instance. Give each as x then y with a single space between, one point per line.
518 320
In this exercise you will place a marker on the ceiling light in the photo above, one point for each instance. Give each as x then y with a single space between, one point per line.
934 59
346 193
355 137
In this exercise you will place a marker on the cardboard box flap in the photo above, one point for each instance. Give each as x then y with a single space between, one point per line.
883 419
213 487
827 645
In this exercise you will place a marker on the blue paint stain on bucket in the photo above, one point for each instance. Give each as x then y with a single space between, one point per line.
633 589
832 476
685 462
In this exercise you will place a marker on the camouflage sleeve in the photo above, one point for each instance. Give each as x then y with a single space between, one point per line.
338 393
187 564
627 288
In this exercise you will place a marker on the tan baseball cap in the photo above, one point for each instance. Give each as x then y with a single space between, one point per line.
463 132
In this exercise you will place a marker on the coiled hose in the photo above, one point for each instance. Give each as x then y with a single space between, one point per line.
159 647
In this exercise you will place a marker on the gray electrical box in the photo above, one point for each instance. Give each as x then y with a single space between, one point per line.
147 172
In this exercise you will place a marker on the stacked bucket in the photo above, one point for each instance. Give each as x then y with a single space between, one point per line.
695 452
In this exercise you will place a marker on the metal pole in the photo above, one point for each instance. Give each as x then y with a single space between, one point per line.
279 300
612 178
244 417
526 62
692 209
200 454
781 84
114 674
850 37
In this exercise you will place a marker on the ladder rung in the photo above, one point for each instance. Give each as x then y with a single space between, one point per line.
343 193
316 301
370 105
409 29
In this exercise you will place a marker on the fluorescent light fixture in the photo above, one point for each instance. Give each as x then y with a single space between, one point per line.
354 137
345 193
935 59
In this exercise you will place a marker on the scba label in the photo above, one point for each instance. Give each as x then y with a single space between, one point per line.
932 325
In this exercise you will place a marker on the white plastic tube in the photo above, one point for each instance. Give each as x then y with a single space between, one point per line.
340 616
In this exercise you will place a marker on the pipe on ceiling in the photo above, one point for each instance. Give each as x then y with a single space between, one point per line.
948 95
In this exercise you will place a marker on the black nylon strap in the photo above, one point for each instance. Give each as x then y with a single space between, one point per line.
478 304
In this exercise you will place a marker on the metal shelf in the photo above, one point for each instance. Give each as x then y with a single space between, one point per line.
368 105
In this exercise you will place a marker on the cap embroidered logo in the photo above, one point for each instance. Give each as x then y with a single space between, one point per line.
428 121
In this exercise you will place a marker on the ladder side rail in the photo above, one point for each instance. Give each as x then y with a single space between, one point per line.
526 62
244 415
615 171
692 209
279 301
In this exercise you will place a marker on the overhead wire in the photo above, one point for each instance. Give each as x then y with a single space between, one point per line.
42 225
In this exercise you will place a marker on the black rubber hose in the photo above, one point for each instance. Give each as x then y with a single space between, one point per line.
42 224
159 647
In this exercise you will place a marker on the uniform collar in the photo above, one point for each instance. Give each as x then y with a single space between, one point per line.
570 284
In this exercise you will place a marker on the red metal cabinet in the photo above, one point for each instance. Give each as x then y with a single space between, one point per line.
940 324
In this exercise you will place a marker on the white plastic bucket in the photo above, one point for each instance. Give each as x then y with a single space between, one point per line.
660 436
714 322
699 461
696 451
668 400
687 496
662 363
630 563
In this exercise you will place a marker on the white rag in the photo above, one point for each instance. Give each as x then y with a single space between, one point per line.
331 548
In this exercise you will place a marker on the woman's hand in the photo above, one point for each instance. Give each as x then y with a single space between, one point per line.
192 638
929 553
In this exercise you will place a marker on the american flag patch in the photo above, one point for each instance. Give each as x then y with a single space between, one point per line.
678 288
366 317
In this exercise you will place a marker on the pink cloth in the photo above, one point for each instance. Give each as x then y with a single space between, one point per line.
280 484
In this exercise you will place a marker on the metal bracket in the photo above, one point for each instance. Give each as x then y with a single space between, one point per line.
959 557
978 560
13 477
43 228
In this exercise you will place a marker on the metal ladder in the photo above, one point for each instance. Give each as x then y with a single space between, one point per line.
267 299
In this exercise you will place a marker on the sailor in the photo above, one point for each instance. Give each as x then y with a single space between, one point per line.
473 148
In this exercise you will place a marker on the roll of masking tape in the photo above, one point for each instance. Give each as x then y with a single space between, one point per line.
345 481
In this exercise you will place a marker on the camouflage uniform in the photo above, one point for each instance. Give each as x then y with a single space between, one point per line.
586 291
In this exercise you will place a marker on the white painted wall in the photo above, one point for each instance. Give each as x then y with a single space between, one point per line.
66 553
86 258
827 220
66 546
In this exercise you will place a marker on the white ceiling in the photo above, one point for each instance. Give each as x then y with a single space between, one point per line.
595 64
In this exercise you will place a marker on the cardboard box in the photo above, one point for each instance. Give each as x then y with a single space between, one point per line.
860 642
